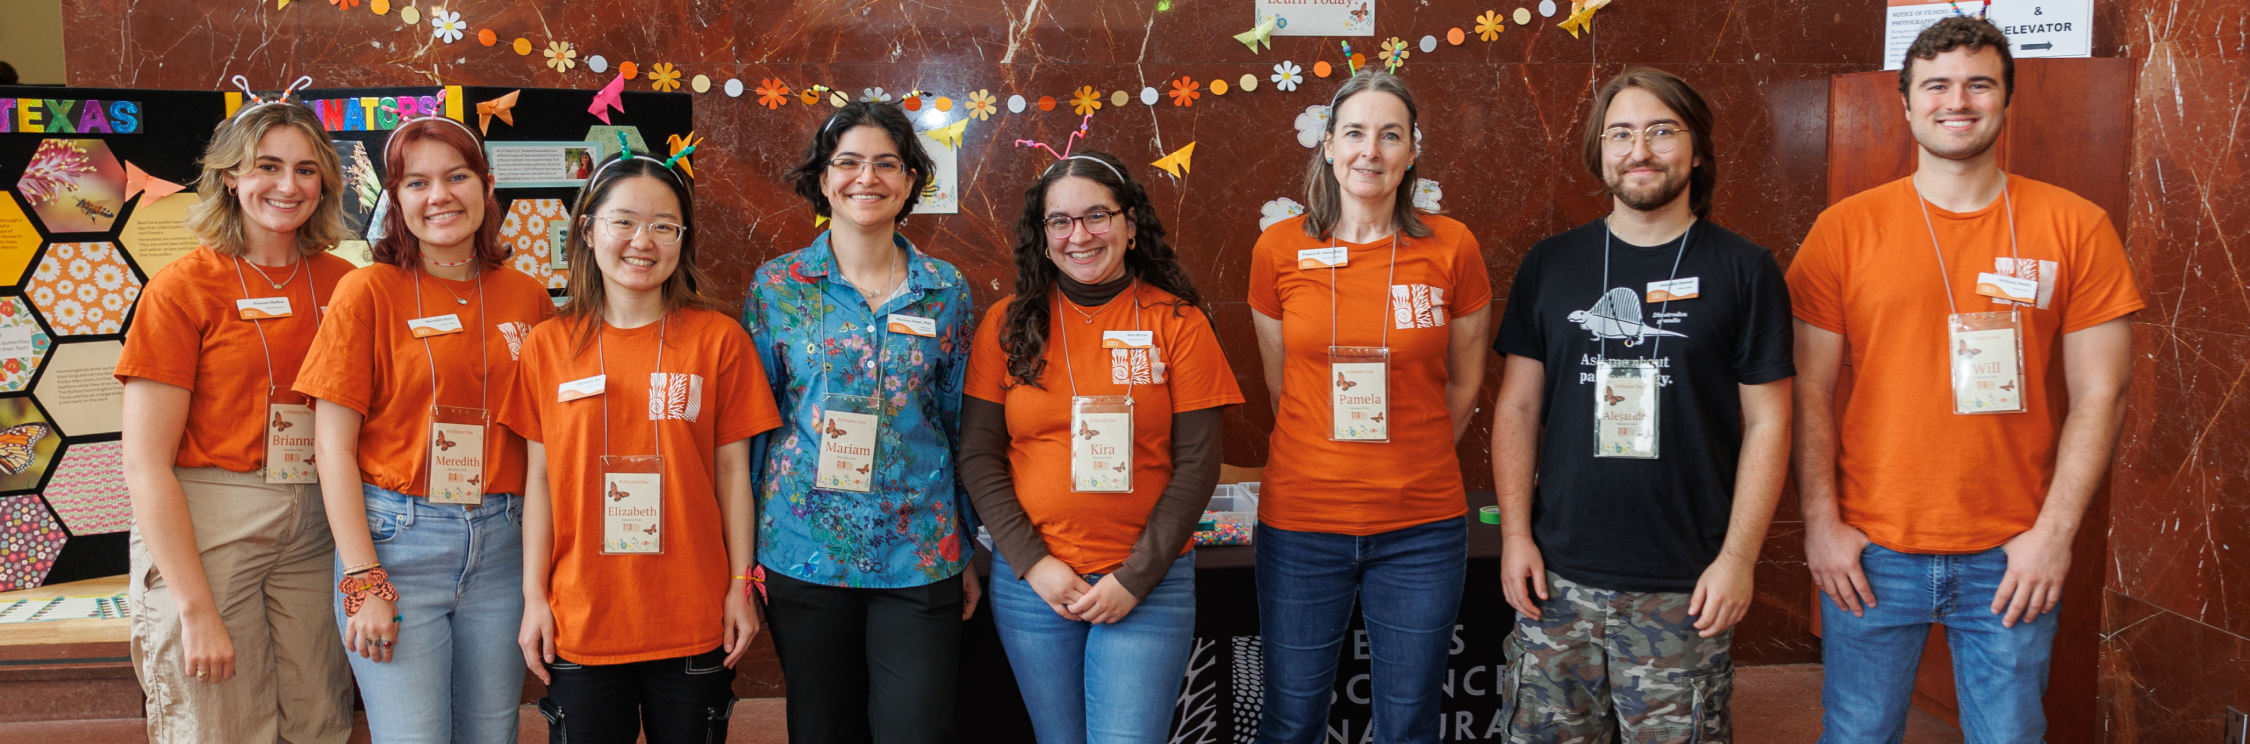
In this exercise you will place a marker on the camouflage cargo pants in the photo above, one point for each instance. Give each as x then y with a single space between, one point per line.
1602 666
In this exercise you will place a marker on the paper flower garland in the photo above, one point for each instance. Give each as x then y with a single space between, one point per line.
1287 75
629 70
344 4
664 77
448 24
1086 101
1184 91
1394 54
874 95
773 94
560 56
982 105
1490 25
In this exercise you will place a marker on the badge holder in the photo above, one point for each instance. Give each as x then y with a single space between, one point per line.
1986 353
1359 393
457 455
632 502
849 425
1101 443
289 440
1625 423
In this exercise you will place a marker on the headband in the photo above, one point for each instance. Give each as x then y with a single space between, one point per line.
473 137
625 152
258 101
1112 169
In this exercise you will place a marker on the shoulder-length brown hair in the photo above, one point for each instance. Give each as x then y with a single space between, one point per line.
1324 202
217 221
398 246
588 293
1695 115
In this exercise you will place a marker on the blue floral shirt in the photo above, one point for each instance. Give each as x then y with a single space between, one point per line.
914 527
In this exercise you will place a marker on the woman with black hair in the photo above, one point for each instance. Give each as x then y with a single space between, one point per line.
1092 483
863 528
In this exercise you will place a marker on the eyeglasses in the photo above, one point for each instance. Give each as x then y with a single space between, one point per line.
883 168
619 228
1097 223
1662 138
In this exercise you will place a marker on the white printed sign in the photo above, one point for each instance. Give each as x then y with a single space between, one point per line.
2035 28
1318 18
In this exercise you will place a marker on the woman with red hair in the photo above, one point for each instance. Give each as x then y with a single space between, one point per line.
423 494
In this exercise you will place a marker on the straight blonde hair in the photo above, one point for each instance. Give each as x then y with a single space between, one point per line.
218 220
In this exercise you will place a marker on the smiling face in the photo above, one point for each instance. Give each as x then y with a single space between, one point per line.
442 199
281 188
1370 145
1083 255
871 195
1639 176
631 256
1957 103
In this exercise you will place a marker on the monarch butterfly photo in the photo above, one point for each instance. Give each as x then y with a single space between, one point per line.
445 444
476 480
18 446
2009 385
1965 350
1120 466
1611 397
1377 418
651 529
1086 431
281 424
863 468
833 431
1344 384
615 493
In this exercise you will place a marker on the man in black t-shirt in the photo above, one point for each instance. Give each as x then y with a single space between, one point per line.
1641 437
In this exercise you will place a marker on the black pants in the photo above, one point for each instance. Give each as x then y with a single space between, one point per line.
867 666
677 701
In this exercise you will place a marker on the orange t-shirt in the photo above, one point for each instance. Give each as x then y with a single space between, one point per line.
1186 371
1913 475
365 359
188 333
1313 484
618 609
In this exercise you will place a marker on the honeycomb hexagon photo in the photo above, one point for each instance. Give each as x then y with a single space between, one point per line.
23 344
83 288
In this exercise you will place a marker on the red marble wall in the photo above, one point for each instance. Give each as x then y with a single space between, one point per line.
2176 640
1501 120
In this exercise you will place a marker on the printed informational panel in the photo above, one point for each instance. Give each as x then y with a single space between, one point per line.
2035 28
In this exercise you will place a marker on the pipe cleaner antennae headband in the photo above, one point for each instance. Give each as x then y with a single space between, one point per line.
1068 143
258 101
388 141
625 152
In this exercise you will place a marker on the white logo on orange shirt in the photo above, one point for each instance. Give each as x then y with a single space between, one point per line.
1417 306
674 396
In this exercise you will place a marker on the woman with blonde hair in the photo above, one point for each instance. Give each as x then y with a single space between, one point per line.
230 550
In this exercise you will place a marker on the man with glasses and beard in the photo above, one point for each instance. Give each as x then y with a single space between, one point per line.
1641 437
1977 308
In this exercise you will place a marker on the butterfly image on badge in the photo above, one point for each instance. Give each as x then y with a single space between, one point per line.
651 529
281 424
1966 350
1085 431
1344 384
833 430
2009 385
476 480
1610 396
617 494
863 468
1377 418
1120 466
444 444
16 446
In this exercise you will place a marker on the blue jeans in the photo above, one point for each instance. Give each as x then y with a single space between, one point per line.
1307 581
456 674
1098 684
2001 672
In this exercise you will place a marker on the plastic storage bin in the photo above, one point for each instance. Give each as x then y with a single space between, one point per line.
1232 517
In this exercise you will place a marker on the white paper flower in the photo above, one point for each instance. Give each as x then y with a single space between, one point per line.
874 95
1278 210
1311 125
1427 195
1287 75
448 25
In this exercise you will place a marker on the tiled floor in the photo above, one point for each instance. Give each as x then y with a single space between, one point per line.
1772 705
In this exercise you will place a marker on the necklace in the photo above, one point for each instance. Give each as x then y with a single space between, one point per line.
444 265
457 299
294 267
871 297
1074 308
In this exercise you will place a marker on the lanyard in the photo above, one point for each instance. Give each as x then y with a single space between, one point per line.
310 289
1068 370
1388 282
601 360
484 371
2015 259
1653 349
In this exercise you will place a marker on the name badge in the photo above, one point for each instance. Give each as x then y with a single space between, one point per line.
457 455
1359 392
1677 289
1625 408
1324 258
1986 357
847 451
435 325
2004 287
632 513
289 444
1101 444
924 327
263 308
1128 339
582 388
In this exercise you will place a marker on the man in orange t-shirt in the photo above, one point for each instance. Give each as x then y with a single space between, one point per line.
1952 486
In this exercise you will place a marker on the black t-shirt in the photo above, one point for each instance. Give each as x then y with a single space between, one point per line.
1633 524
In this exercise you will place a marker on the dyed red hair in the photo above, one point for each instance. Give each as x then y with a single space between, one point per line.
399 247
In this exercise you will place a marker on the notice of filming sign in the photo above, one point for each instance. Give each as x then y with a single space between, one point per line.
2035 28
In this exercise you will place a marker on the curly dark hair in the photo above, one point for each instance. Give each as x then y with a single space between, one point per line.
1148 258
919 168
1955 33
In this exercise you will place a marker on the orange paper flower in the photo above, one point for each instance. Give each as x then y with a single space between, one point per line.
773 93
981 105
1085 101
1490 25
345 4
1184 91
664 77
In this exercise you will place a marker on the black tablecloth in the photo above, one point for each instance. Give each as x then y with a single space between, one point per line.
1219 703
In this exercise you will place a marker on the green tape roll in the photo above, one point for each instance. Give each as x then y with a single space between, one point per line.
1489 515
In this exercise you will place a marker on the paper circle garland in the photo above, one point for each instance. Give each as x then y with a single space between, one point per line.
734 89
383 7
1248 83
1523 17
522 46
1218 87
1429 44
701 84
410 15
1148 96
1455 37
485 37
629 70
944 103
1015 104
1046 103
1546 8
1119 98
1320 69
597 63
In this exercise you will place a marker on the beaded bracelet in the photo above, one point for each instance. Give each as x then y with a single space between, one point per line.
756 581
363 568
356 589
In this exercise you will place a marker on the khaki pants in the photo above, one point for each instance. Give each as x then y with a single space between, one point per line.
270 561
